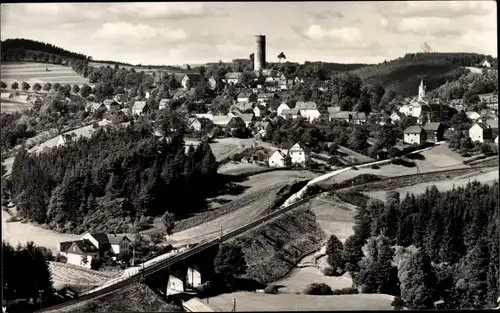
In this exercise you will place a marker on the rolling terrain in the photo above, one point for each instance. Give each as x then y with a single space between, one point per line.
32 73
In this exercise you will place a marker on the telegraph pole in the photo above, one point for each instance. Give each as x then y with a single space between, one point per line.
221 233
234 305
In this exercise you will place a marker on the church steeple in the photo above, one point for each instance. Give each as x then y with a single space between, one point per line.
421 91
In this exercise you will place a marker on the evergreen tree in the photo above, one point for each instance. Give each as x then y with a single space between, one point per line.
334 252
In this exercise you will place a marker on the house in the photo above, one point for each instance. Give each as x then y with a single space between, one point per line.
486 64
308 105
357 117
7 96
265 97
80 252
434 132
414 135
282 107
311 115
396 116
480 132
231 122
163 104
233 77
140 107
111 105
205 115
200 124
291 113
234 112
474 116
248 118
191 78
245 106
340 116
297 154
260 111
277 159
246 97
92 107
117 244
23 98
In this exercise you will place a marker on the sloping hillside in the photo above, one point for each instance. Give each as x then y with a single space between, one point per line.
403 77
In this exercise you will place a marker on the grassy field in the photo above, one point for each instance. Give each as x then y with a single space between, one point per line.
8 106
134 298
249 301
67 274
231 210
17 232
484 176
226 147
435 159
274 249
36 73
238 168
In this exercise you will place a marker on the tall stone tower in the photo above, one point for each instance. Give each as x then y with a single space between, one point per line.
259 61
421 91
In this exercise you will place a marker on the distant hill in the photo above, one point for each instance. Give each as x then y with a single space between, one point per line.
404 77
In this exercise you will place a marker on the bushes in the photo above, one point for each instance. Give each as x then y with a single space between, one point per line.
316 289
95 264
328 271
271 289
61 258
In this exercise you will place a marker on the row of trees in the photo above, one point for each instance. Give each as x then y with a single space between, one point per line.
112 179
26 272
446 247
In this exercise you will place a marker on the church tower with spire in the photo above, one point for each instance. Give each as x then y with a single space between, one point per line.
421 91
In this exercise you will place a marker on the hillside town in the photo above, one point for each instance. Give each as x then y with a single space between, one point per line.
256 184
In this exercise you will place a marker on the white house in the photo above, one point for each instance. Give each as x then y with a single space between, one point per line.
480 132
139 107
6 95
486 64
81 253
414 135
118 244
277 159
282 107
233 77
311 115
297 154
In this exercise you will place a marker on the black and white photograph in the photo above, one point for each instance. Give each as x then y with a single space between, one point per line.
249 156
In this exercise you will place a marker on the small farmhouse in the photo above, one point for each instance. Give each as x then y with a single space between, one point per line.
480 132
297 154
282 107
233 77
191 79
277 159
414 135
434 131
310 114
199 124
79 252
140 107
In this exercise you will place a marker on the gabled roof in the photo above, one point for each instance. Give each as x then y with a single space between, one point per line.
85 246
413 130
333 110
282 153
246 117
233 75
296 147
340 115
202 120
290 111
6 95
194 77
432 126
284 105
64 245
116 239
481 124
221 119
306 105
23 98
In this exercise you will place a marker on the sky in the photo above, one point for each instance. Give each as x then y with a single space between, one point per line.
198 32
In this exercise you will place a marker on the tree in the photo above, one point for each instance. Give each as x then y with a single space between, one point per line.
15 86
3 85
281 56
47 86
56 87
168 220
37 87
417 282
25 86
334 252
85 90
84 260
75 89
230 261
